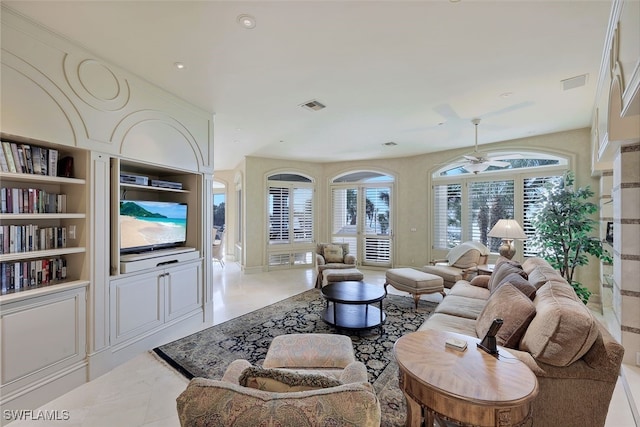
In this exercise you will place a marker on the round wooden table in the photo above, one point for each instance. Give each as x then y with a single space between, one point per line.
348 305
468 387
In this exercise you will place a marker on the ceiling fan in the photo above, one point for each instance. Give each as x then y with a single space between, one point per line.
479 161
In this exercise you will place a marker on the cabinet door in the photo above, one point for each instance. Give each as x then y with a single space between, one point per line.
40 336
184 290
137 305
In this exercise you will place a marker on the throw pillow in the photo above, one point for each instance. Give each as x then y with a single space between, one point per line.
514 308
520 283
563 330
333 253
281 381
503 269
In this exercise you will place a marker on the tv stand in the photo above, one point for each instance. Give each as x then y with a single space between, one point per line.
137 256
141 261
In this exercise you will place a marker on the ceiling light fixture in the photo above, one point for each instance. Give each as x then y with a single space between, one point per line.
246 21
179 65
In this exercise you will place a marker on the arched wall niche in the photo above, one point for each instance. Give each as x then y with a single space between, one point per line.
34 107
158 138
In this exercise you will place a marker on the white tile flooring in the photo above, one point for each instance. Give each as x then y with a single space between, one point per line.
142 391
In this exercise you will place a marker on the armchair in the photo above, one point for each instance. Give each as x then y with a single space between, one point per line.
460 261
351 401
332 256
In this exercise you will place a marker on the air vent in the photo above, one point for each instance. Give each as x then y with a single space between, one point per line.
313 105
574 82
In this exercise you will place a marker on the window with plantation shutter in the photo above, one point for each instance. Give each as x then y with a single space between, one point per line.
531 202
447 215
488 201
466 206
290 222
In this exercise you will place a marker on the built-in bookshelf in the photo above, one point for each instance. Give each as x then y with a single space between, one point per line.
43 215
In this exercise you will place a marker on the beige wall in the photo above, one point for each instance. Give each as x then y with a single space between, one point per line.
412 194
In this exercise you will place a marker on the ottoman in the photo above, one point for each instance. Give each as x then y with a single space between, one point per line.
332 275
327 354
414 281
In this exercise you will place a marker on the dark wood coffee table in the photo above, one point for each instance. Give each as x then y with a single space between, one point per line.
349 305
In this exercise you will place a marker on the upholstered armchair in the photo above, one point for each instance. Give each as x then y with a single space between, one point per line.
459 263
332 256
279 397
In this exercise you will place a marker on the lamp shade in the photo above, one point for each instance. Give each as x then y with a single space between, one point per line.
507 229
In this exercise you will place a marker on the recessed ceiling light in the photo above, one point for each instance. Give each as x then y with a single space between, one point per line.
179 65
506 94
389 144
246 21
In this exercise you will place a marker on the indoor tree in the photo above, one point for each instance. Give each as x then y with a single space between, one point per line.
563 229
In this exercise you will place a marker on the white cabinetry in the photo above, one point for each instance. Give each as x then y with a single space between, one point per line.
144 302
43 320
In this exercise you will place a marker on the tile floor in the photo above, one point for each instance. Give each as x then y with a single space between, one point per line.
142 391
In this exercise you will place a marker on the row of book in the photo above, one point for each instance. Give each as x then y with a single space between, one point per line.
31 237
31 200
24 274
25 158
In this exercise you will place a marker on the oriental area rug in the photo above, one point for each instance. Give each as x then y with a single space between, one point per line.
208 353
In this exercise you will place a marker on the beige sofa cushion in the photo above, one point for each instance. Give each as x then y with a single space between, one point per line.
519 282
449 323
465 289
502 270
461 306
563 330
514 308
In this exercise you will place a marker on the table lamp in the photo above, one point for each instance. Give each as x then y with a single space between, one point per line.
507 230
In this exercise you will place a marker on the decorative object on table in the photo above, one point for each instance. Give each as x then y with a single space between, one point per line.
489 343
563 229
508 230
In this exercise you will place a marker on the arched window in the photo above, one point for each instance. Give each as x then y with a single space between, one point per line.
467 205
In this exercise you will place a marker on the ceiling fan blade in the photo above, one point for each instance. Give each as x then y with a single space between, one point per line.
507 157
498 164
473 158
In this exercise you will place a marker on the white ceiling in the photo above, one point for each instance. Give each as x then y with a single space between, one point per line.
411 72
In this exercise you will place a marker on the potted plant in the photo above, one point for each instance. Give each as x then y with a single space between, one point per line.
564 227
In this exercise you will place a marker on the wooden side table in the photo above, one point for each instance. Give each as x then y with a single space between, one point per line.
468 387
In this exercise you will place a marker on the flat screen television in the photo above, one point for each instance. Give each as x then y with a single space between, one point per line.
147 226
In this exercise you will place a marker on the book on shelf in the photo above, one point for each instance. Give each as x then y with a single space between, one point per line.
53 162
17 158
36 157
26 152
3 161
8 153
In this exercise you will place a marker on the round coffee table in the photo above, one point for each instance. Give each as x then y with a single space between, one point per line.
468 387
349 305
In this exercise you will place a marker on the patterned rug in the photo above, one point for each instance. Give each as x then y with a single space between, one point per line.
208 353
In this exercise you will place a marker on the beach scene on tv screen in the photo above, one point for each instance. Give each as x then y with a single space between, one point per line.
145 224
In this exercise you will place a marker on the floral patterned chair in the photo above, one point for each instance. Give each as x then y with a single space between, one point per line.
249 396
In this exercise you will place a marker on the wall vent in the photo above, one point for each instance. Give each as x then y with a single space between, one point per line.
313 105
574 82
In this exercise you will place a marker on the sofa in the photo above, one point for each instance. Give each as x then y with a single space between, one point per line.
547 327
459 263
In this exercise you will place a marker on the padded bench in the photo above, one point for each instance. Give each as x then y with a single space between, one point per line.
332 275
414 281
328 354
